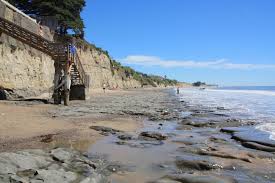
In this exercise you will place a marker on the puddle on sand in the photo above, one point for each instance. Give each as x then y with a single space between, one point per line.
146 161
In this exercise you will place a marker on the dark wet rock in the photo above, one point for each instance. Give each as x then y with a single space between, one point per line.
124 136
8 94
210 122
254 145
152 136
201 165
47 138
252 138
105 130
231 130
190 178
220 154
3 94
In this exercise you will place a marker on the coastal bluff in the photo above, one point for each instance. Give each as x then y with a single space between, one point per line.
27 72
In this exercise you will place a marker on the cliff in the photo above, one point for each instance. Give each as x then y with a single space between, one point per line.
24 71
27 72
99 67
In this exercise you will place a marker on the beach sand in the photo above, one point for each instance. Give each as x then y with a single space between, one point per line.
182 143
26 125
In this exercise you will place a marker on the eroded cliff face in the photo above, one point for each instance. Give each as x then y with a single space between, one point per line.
27 72
99 67
24 70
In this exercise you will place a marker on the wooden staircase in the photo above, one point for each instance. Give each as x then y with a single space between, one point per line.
59 52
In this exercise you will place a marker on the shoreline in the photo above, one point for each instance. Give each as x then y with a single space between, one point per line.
121 124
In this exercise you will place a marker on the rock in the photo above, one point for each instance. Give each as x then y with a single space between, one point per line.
95 178
254 145
224 155
30 173
4 179
125 136
12 162
231 130
188 178
105 129
152 136
62 155
200 165
17 179
53 176
3 94
252 135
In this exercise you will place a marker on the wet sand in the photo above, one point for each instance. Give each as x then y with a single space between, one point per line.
33 125
182 143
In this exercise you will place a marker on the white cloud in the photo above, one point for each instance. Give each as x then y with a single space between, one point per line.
215 64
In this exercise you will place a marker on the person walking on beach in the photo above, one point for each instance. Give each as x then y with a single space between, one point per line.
104 87
178 90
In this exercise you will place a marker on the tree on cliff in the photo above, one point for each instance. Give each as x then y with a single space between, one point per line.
67 12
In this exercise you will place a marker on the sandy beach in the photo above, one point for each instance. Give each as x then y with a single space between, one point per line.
142 135
36 125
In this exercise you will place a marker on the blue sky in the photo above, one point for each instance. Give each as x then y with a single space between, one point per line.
223 42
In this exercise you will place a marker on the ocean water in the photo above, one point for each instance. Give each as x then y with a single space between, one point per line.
246 103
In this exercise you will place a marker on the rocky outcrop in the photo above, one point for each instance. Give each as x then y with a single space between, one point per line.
58 165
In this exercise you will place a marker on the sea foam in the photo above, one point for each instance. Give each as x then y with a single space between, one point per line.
252 105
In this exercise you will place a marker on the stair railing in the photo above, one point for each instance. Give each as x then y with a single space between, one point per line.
56 50
80 69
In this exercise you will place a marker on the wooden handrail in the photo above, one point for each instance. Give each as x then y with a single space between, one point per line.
80 69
